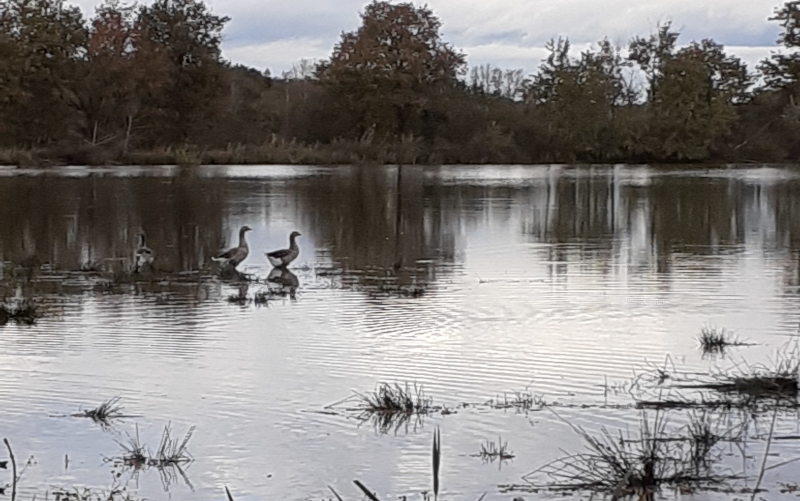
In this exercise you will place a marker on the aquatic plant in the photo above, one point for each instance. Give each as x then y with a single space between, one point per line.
625 467
741 385
436 464
89 494
238 299
492 451
390 399
519 400
173 451
135 454
104 413
715 341
19 310
437 460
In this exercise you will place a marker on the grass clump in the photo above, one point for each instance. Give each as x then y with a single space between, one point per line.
495 451
392 407
87 494
21 311
173 451
262 298
135 454
621 467
389 407
391 399
715 341
238 299
520 400
104 413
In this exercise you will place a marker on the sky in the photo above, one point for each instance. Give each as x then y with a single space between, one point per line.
275 34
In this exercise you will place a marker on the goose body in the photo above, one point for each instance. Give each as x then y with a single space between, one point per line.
143 256
282 258
233 257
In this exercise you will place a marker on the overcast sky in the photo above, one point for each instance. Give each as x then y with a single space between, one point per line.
275 34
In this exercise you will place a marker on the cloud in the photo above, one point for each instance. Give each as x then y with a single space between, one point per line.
506 33
278 55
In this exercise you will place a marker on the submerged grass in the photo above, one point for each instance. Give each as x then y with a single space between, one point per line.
625 467
88 494
740 386
104 413
521 400
492 451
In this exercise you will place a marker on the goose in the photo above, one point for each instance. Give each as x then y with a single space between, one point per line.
233 257
143 256
282 258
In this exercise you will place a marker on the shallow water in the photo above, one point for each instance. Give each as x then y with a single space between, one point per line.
474 282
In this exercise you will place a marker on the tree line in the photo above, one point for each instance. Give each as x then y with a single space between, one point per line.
148 83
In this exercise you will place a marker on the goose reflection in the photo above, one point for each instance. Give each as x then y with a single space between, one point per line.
287 281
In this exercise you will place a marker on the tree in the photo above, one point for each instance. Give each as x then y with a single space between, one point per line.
41 43
121 75
188 38
693 107
728 78
492 81
652 54
578 97
782 71
385 72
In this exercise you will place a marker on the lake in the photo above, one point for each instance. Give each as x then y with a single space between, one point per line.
483 285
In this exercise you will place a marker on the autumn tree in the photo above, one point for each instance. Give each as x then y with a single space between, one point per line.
121 74
41 43
385 72
577 97
727 76
188 37
693 108
782 70
652 54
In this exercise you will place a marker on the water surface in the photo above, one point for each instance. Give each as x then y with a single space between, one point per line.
474 282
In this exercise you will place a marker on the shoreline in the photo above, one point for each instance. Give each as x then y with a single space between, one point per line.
182 158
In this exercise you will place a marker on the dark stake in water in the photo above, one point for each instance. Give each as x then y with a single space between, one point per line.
628 330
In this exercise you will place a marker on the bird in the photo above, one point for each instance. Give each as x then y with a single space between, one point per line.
143 256
233 257
282 258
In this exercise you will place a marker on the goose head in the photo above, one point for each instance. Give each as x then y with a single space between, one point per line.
295 234
245 228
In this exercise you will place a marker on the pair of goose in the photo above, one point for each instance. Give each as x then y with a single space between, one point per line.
278 259
144 256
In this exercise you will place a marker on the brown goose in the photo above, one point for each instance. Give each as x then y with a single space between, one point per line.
282 258
233 257
143 256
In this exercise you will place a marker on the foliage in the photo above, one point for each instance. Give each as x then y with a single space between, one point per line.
147 83
389 68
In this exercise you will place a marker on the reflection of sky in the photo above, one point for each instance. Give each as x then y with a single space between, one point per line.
522 304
